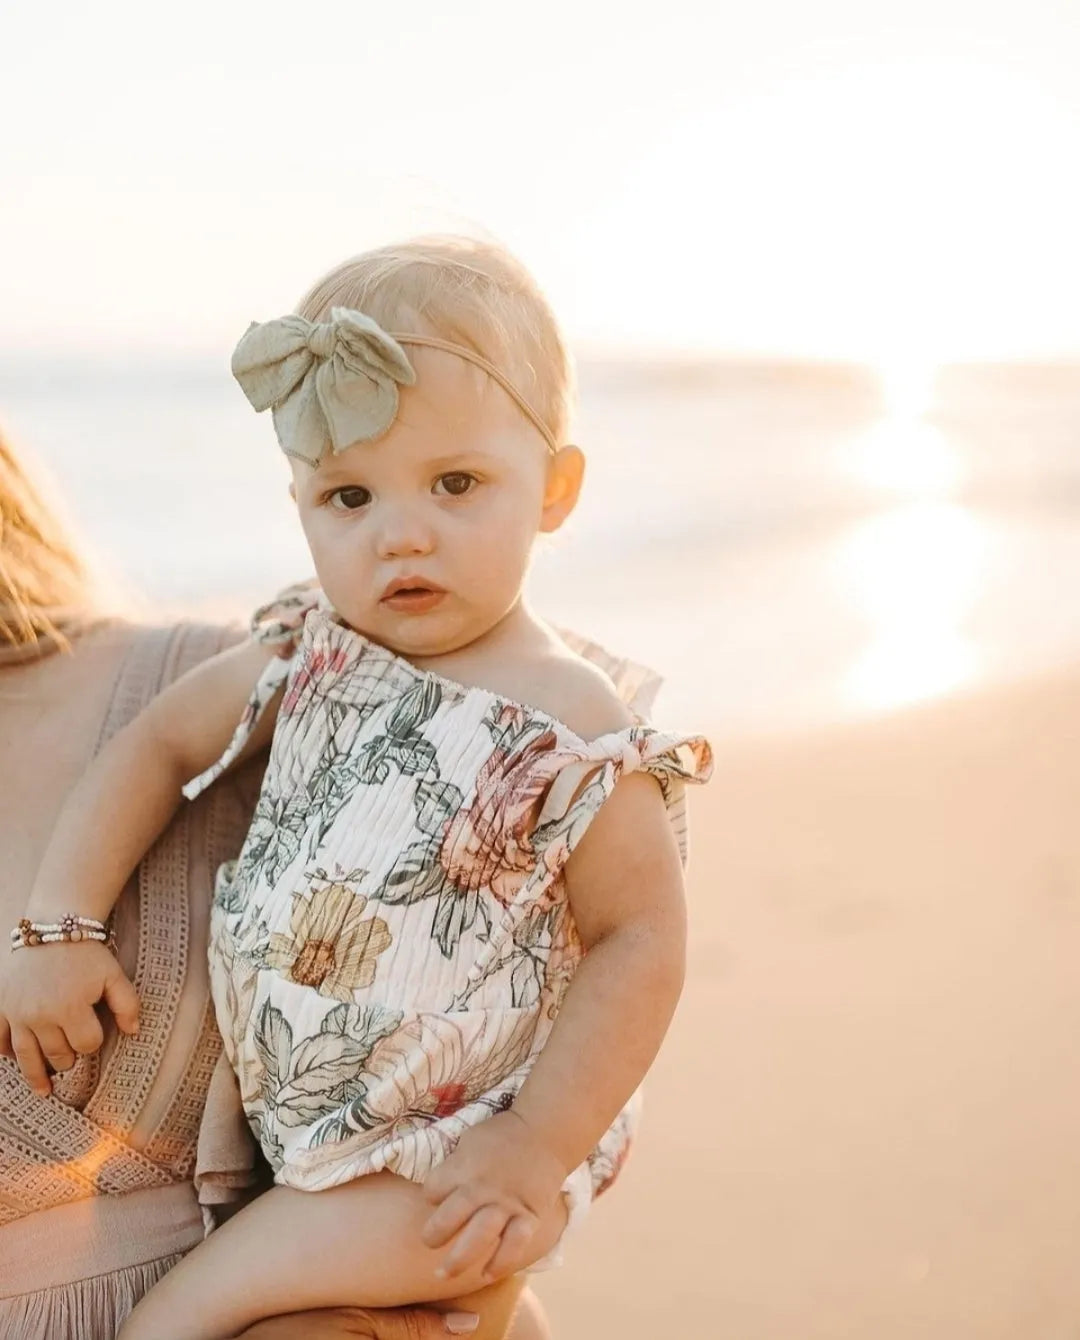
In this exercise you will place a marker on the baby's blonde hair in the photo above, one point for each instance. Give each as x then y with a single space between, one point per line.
468 291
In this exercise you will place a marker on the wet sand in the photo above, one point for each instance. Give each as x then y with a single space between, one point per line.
866 1120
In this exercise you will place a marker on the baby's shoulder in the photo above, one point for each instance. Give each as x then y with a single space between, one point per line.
568 688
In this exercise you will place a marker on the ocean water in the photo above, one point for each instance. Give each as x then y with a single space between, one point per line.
785 543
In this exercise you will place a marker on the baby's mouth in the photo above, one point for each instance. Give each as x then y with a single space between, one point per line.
412 595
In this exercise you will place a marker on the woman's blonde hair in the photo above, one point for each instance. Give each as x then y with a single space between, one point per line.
45 591
471 292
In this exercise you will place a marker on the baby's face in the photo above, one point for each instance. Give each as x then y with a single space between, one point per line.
421 540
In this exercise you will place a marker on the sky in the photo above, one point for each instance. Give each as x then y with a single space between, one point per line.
844 178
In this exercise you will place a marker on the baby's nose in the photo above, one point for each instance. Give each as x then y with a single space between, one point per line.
403 532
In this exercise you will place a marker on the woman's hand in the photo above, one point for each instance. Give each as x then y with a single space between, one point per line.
399 1323
47 999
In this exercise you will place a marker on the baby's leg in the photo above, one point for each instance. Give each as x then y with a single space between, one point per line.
356 1245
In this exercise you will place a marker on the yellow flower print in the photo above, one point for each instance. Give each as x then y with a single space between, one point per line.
331 945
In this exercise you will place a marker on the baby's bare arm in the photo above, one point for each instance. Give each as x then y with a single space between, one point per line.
625 886
111 818
129 793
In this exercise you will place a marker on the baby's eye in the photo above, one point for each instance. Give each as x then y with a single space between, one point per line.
455 484
349 499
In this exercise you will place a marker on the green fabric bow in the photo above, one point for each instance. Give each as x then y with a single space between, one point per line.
329 384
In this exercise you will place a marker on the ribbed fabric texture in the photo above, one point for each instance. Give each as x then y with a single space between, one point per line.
390 951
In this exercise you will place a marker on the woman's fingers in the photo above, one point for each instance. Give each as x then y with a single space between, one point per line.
6 1049
394 1324
31 1062
55 1047
476 1242
457 1323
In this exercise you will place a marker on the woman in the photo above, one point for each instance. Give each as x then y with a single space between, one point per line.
107 1181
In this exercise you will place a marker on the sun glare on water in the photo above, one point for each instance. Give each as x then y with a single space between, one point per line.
904 454
913 570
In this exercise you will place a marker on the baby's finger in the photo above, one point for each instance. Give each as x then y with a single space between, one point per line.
453 1214
55 1047
512 1247
476 1241
439 1184
6 1049
31 1062
84 1032
122 998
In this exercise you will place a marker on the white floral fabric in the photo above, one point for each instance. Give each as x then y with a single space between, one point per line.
390 950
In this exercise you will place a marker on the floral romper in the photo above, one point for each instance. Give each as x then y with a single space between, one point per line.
390 949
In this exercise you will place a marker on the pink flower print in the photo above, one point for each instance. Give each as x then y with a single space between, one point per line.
448 1098
436 1064
489 845
314 667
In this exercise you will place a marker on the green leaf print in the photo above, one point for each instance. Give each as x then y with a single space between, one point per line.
525 982
417 875
417 705
337 714
411 755
330 1132
326 1070
339 875
403 745
455 912
436 803
511 729
343 1125
227 894
535 930
414 756
274 838
569 828
273 1042
373 762
271 1146
330 792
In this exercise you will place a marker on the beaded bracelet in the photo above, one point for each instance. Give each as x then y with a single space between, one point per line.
68 929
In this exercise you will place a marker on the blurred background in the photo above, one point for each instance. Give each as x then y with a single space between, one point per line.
818 264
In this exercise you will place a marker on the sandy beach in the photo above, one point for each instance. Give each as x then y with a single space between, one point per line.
865 1122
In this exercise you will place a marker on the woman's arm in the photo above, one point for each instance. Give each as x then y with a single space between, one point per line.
404 1323
111 818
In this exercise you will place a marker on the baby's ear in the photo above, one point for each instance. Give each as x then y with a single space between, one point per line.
566 470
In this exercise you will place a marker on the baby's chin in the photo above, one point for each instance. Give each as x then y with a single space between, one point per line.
413 636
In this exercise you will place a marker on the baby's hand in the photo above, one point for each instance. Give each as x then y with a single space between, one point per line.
47 999
492 1193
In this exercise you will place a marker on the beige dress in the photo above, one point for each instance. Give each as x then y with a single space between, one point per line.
107 1183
